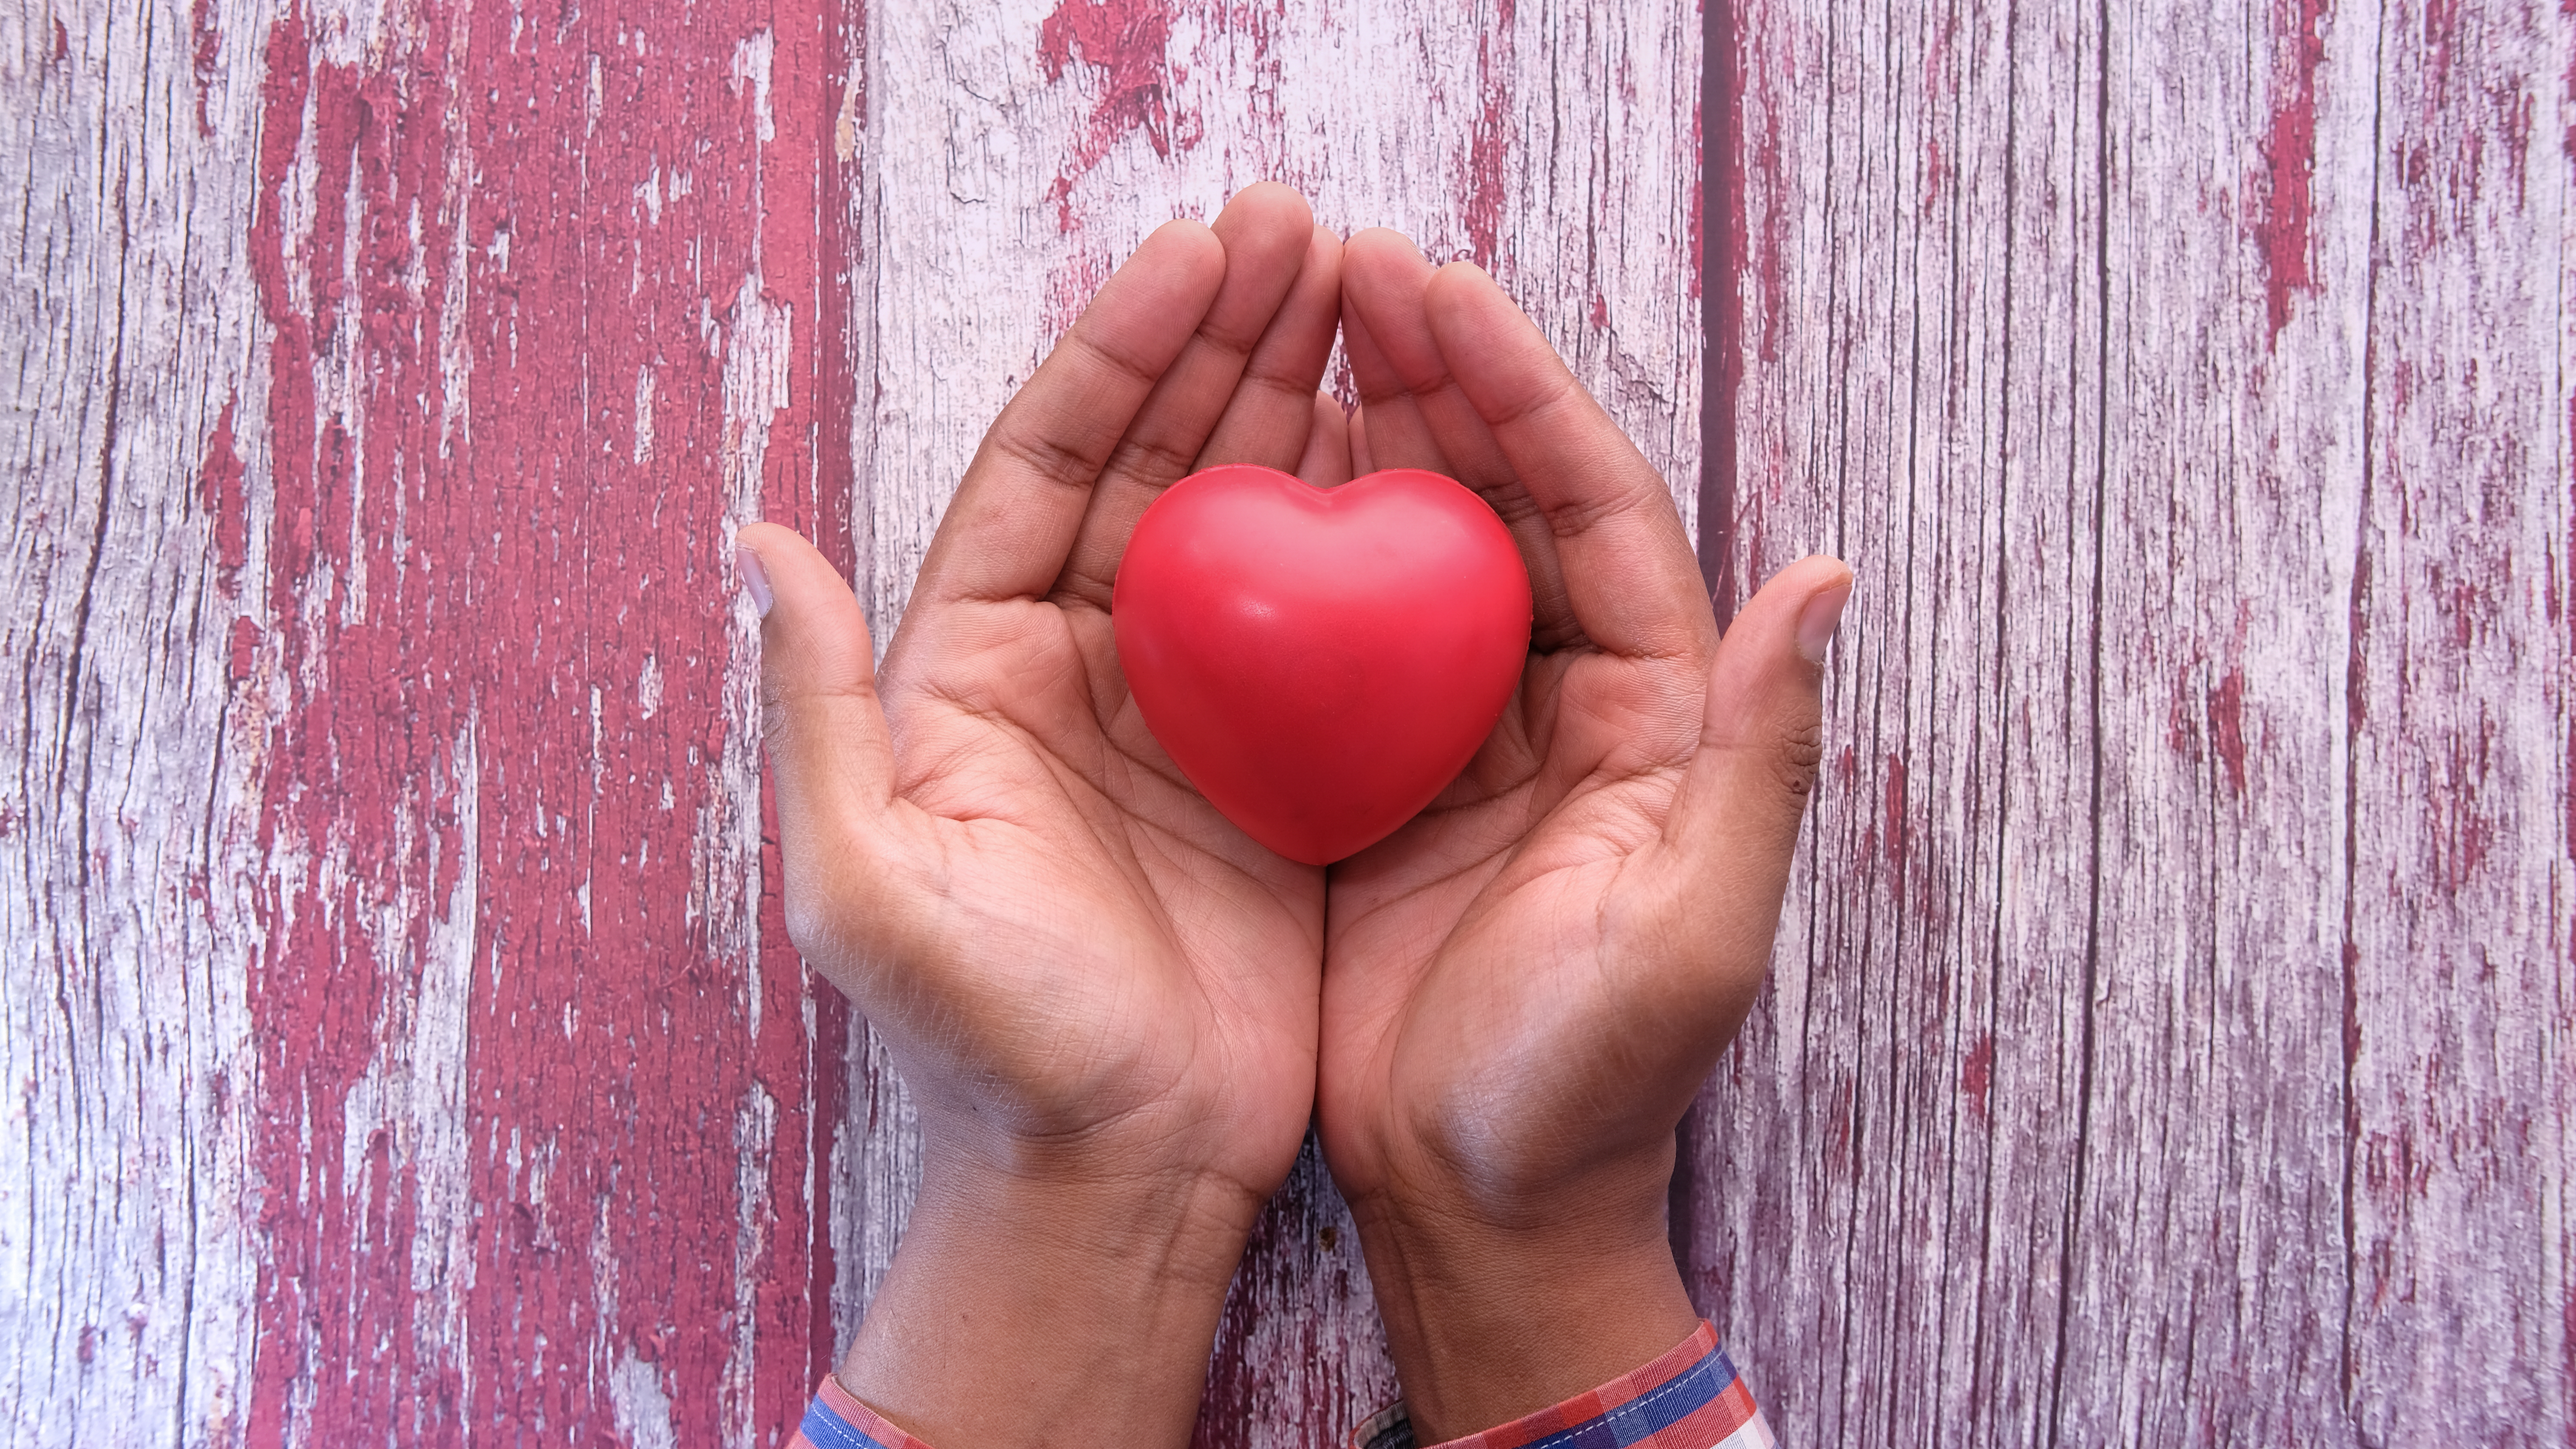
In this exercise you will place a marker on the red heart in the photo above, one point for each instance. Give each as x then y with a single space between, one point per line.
1320 663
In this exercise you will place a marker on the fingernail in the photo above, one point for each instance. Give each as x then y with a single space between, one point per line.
1817 622
755 579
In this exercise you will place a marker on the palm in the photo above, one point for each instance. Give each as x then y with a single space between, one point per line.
1547 854
1055 935
1552 900
1134 930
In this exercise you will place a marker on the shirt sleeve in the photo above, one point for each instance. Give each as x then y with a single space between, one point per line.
837 1420
1691 1398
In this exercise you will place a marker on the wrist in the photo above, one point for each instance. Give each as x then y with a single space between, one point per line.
1045 1295
1491 1316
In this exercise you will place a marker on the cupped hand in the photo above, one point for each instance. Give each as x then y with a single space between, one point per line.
1525 986
1100 993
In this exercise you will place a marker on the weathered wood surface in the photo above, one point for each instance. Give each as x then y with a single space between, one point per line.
2171 1034
400 1045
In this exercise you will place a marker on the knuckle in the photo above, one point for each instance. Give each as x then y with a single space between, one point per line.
1575 516
1048 458
1119 361
1280 381
1555 393
1155 459
774 713
1797 750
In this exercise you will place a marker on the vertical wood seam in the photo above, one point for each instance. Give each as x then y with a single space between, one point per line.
2091 1009
1719 316
1721 305
2354 687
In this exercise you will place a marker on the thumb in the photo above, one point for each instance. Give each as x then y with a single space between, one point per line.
831 755
1735 826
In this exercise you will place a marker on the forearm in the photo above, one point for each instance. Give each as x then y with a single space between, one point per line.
1060 1312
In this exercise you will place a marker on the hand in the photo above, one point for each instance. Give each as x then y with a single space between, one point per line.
1100 993
1525 986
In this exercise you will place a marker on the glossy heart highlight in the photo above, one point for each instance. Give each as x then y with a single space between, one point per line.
1320 662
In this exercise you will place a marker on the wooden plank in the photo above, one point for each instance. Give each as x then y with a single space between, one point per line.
131 1275
1016 152
411 1051
2459 927
2169 1032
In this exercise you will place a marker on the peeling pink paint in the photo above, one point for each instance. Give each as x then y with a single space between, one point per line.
504 586
1892 839
1941 90
209 41
242 650
2290 157
1127 42
2227 728
2464 830
219 494
1977 1074
1489 144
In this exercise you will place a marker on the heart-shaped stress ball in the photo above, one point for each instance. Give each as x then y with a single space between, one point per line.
1320 662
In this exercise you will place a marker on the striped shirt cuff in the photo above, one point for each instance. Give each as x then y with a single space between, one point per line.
1691 1398
837 1420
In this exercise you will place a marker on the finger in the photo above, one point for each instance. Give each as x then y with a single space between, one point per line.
1327 459
1267 232
830 754
1009 529
1362 463
1630 576
1382 275
1734 827
1272 411
1419 417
